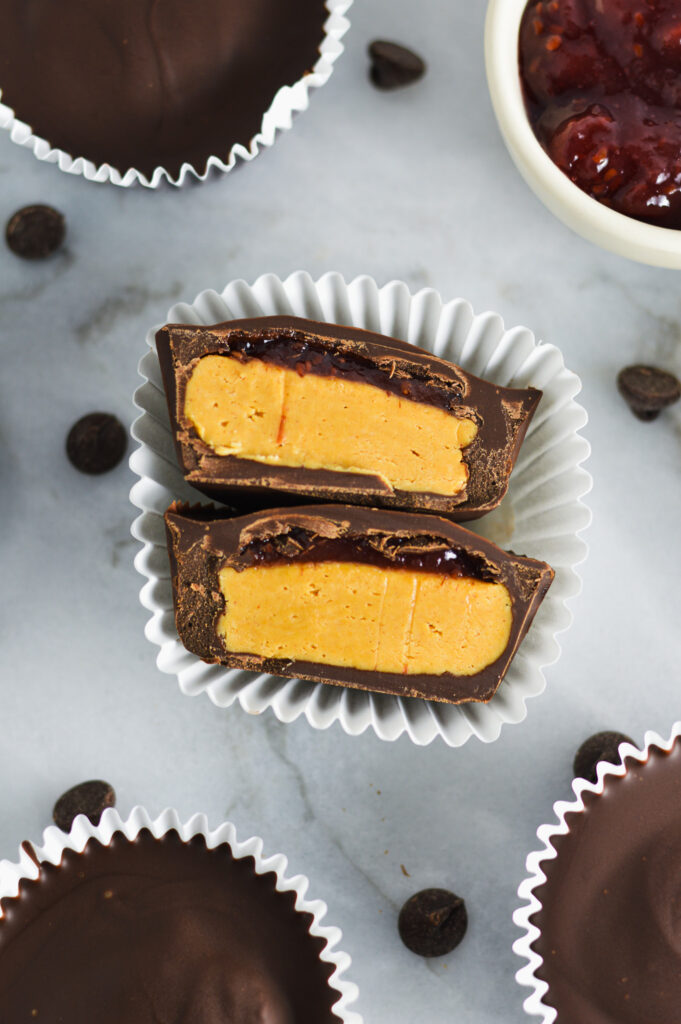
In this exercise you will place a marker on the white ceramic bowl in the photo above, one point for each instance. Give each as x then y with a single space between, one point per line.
55 841
659 247
541 516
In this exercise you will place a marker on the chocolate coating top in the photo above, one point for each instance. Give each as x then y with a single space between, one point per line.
147 83
159 930
611 917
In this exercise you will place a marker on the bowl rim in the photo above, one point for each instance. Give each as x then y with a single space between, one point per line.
614 231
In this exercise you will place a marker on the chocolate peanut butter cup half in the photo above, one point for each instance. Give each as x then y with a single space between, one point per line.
402 603
146 930
304 410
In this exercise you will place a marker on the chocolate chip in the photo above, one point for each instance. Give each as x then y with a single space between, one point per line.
393 66
433 922
35 232
96 443
602 746
88 798
648 390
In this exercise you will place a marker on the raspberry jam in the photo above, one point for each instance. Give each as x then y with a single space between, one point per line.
602 81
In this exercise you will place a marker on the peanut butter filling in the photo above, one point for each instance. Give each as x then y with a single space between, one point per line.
267 413
360 616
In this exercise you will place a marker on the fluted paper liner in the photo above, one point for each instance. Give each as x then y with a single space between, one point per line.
541 516
55 841
288 101
534 1004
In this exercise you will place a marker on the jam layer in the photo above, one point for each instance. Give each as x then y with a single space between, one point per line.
602 81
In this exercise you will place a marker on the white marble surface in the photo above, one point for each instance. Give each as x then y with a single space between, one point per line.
414 185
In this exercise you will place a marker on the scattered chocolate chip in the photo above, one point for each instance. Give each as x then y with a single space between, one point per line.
393 66
648 390
96 443
35 232
433 922
602 746
88 798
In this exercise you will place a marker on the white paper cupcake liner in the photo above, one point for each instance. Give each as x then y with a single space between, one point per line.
534 1005
288 101
55 842
541 516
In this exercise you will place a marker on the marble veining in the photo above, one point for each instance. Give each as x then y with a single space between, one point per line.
414 185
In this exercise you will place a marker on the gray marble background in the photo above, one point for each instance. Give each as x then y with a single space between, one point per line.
414 185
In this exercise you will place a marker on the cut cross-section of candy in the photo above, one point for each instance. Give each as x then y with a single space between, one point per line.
314 411
395 602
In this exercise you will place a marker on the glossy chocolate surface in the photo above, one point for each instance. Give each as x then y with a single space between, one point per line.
159 930
147 83
201 543
611 917
602 80
501 414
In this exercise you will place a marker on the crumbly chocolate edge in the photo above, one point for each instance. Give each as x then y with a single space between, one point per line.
200 543
504 416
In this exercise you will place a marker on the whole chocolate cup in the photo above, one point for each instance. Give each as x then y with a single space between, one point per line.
290 99
55 842
566 958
